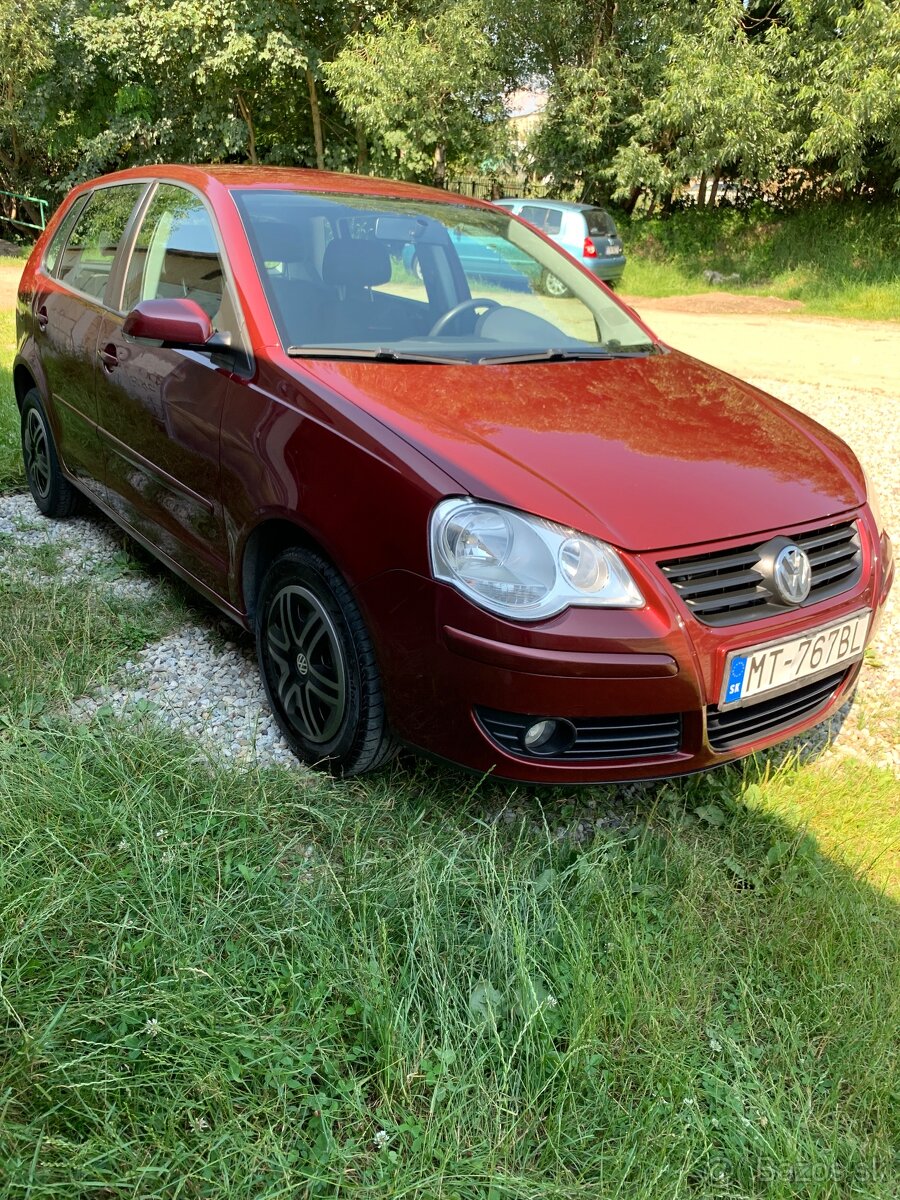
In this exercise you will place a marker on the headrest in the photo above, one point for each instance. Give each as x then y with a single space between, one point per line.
280 242
356 262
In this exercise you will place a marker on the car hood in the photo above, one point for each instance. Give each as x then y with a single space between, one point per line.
647 453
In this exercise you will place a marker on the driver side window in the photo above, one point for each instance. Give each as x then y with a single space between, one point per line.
176 255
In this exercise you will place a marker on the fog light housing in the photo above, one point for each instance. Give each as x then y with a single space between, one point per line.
549 736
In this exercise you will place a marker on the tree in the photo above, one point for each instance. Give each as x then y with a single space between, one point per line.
839 61
424 89
717 108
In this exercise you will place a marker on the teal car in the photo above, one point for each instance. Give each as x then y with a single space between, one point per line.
491 259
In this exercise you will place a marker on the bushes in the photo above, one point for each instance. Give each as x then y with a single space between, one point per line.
842 259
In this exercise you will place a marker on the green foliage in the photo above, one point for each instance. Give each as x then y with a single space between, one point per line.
424 90
799 97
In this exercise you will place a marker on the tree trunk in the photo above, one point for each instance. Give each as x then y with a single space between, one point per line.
247 117
440 165
714 190
362 150
701 191
316 119
631 202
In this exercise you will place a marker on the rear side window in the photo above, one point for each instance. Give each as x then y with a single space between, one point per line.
535 214
548 220
553 224
88 257
176 254
59 239
599 223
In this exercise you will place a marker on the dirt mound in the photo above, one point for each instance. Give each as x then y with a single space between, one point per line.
715 304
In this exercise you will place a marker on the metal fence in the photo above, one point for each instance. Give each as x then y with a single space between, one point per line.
42 206
494 187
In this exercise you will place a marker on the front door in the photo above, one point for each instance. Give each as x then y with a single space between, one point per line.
159 410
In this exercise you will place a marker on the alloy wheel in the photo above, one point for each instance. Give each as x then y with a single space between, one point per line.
36 452
555 287
307 658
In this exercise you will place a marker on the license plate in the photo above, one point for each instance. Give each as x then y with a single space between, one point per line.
613 250
776 667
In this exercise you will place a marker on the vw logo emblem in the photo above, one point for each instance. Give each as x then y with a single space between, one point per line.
302 664
792 575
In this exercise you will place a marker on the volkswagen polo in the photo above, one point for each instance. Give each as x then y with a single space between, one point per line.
510 529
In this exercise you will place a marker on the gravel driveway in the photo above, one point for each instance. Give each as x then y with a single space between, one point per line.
203 680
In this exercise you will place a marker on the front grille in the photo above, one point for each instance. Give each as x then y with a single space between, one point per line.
733 727
725 588
597 739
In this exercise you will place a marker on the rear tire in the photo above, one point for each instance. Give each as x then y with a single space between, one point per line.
318 666
50 490
551 286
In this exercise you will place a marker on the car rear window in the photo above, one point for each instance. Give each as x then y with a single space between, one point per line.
599 223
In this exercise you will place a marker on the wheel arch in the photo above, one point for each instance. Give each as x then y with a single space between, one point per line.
23 382
262 546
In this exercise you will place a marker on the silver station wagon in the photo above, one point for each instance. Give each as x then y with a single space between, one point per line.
584 231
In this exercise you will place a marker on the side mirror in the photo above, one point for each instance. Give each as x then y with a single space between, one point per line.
179 324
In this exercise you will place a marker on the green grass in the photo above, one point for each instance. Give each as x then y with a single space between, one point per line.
227 983
12 476
840 260
230 983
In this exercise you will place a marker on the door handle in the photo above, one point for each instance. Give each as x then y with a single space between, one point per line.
108 357
42 319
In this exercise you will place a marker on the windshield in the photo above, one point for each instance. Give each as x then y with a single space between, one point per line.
370 276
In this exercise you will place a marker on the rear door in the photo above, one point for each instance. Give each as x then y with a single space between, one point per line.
160 410
69 309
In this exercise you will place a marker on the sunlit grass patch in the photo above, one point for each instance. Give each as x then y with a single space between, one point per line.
271 987
12 475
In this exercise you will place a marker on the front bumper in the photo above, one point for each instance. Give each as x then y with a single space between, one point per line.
450 669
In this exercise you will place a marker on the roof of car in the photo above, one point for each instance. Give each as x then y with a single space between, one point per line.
565 205
232 176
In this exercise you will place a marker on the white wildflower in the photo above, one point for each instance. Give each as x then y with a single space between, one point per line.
151 1028
381 1139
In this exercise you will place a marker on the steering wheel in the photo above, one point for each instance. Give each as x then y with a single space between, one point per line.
442 322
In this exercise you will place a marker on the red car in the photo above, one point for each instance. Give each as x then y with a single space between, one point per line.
512 530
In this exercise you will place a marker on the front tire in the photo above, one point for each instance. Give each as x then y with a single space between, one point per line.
50 490
318 666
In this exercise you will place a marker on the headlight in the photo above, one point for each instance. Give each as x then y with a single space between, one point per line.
522 566
872 497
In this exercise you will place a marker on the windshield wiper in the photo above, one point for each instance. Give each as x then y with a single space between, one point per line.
559 355
380 354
